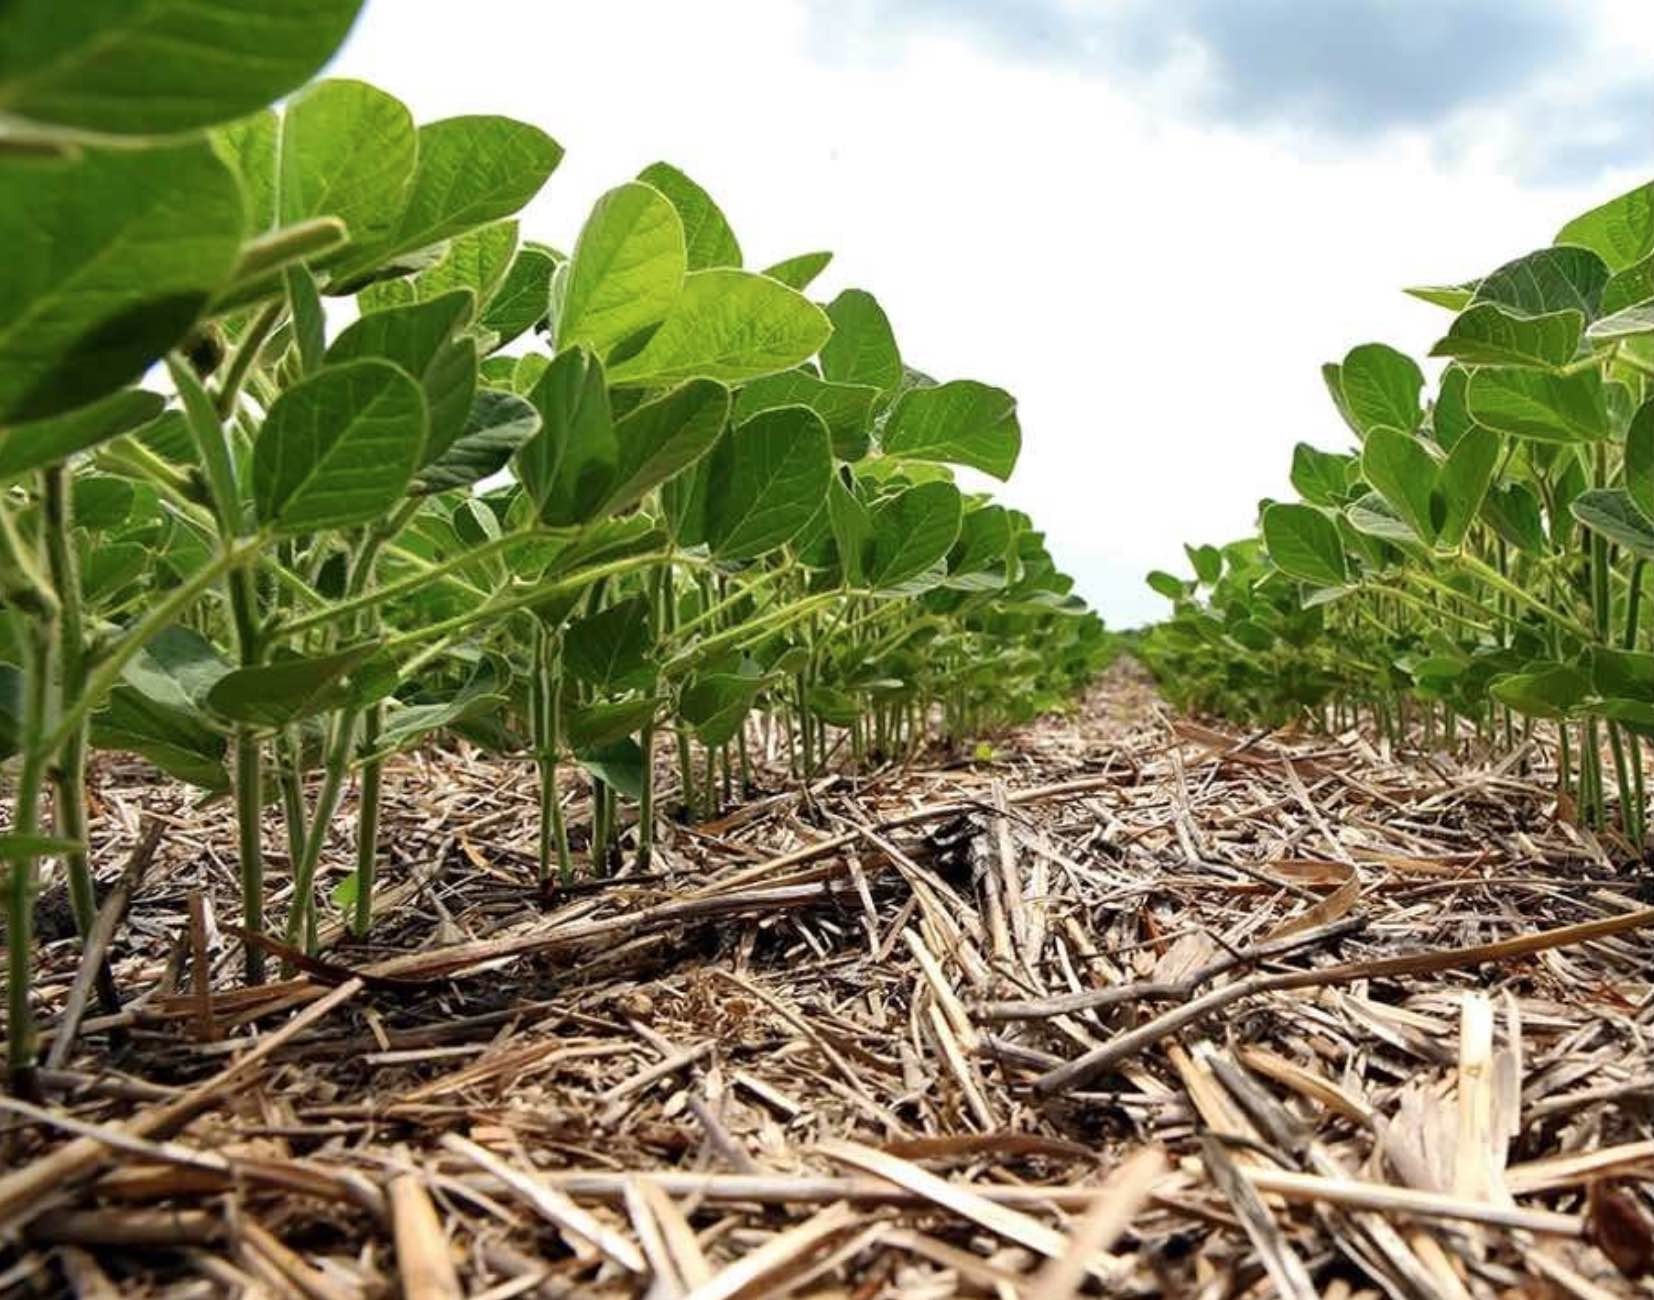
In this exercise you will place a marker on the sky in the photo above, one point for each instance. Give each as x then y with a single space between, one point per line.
1151 220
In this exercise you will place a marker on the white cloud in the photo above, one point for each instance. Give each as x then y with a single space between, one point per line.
1159 293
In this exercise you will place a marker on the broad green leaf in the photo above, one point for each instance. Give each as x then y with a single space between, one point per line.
478 260
101 502
1513 511
524 299
610 649
570 465
714 704
1166 584
619 763
1207 562
959 423
176 738
339 448
1629 287
250 147
1639 460
766 480
627 269
499 423
409 723
660 439
984 541
1620 231
178 668
161 66
29 446
1622 674
1551 691
273 695
1547 408
1381 389
1321 477
422 340
1450 416
348 150
1487 335
706 233
799 272
851 524
110 568
1403 472
1304 544
846 409
1462 483
1632 321
1610 512
595 725
727 325
472 170
109 260
1546 282
912 532
863 347
835 707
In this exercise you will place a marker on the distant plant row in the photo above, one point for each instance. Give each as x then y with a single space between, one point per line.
557 504
1478 559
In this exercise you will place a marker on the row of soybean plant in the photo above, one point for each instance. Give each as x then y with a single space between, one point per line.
1479 559
685 494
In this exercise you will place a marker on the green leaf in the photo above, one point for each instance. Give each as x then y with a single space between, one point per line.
472 170
498 425
706 232
570 465
863 347
731 326
30 446
1166 584
110 568
1454 297
1403 472
660 439
1450 416
1547 408
846 409
1462 483
177 739
1320 477
273 695
409 723
1381 389
835 707
178 668
766 481
1639 460
524 299
478 260
338 448
1487 335
100 501
596 725
1513 511
109 260
161 66
960 423
420 339
851 524
984 543
610 649
627 270
1207 562
1620 231
1622 674
1610 512
348 150
800 272
1632 321
1304 544
714 704
1633 285
1552 691
1546 282
619 763
912 532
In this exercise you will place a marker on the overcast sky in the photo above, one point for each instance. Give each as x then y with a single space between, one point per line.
1151 220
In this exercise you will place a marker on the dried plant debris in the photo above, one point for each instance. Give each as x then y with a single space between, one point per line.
1138 1007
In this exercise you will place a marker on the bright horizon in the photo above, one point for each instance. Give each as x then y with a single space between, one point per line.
1151 223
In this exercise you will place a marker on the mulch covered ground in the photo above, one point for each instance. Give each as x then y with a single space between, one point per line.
1134 1007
